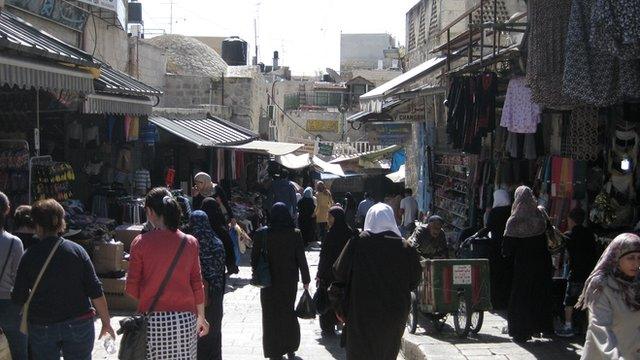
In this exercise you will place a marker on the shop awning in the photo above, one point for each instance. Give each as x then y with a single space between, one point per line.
374 99
326 167
111 104
398 176
362 115
114 81
267 147
26 73
205 132
369 155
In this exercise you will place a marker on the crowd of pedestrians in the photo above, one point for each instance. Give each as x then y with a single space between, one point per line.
50 294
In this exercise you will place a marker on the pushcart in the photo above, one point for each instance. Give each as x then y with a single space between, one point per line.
458 287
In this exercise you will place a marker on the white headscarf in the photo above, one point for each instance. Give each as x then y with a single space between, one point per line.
501 198
380 219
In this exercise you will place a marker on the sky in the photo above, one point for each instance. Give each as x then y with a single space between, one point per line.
306 33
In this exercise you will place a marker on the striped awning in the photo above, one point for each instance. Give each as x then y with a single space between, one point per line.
111 104
40 75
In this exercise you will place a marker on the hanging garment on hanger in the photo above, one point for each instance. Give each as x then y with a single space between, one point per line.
615 28
548 21
592 76
580 180
520 114
75 135
583 138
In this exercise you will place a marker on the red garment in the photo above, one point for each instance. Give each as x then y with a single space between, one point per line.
151 256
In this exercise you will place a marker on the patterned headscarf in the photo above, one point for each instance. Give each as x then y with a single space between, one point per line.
206 178
607 269
212 253
526 219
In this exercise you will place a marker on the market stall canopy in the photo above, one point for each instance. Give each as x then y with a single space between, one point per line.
363 115
294 162
267 147
41 61
398 176
209 131
369 155
114 81
112 104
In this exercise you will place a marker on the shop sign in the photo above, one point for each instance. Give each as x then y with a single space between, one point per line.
348 184
325 149
412 113
388 134
323 126
461 274
58 11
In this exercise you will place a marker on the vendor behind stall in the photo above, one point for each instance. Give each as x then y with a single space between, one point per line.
204 188
430 240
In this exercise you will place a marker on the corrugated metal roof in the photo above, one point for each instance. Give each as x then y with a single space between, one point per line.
211 131
115 81
19 35
26 73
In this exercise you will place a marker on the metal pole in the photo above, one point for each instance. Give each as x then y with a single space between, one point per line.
469 50
36 139
495 19
448 50
481 30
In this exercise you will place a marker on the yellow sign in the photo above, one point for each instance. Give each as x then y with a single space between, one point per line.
323 125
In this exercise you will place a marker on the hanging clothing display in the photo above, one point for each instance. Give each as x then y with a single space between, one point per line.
548 21
592 76
615 28
520 114
583 140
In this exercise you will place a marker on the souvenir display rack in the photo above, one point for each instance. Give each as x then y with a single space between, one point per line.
453 190
50 179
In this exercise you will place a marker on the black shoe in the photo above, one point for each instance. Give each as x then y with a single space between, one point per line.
521 340
291 355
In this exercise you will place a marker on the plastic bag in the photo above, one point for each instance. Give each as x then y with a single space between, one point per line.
305 308
321 301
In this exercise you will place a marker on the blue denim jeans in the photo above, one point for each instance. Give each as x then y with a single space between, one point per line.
74 338
10 324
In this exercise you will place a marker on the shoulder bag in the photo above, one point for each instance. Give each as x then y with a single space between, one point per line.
24 328
261 276
133 329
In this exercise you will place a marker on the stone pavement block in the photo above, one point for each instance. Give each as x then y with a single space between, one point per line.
476 351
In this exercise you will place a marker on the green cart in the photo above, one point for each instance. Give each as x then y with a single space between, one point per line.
460 287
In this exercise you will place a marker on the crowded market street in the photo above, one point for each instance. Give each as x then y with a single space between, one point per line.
242 334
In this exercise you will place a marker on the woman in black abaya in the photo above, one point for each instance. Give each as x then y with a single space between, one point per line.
285 253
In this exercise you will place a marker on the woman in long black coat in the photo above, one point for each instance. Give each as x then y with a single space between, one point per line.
337 237
285 253
306 210
501 268
530 303
380 269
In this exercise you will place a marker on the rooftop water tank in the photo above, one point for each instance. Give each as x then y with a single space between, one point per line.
234 51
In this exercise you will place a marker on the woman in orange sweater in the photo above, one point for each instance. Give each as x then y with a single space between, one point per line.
177 318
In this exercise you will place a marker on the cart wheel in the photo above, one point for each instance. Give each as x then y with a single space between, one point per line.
439 320
476 321
412 320
462 318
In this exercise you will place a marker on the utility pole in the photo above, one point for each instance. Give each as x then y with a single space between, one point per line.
255 38
171 17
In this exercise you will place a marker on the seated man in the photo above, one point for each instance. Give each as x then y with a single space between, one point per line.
429 239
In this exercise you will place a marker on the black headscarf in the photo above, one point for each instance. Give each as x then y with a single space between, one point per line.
280 218
340 225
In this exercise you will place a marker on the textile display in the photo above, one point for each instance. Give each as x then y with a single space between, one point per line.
592 76
548 21
519 113
615 28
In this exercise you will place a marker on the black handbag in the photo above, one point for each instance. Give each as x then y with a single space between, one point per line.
133 329
305 308
261 276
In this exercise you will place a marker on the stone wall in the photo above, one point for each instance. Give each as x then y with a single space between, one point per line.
362 51
181 91
148 63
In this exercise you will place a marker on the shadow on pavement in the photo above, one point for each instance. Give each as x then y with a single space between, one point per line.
333 347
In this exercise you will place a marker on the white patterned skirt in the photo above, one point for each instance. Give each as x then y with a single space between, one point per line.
172 336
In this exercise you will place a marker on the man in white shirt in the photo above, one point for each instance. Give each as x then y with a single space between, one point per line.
409 213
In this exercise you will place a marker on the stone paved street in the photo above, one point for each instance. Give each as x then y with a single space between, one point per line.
242 334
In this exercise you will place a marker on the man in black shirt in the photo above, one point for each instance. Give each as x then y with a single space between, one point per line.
583 255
